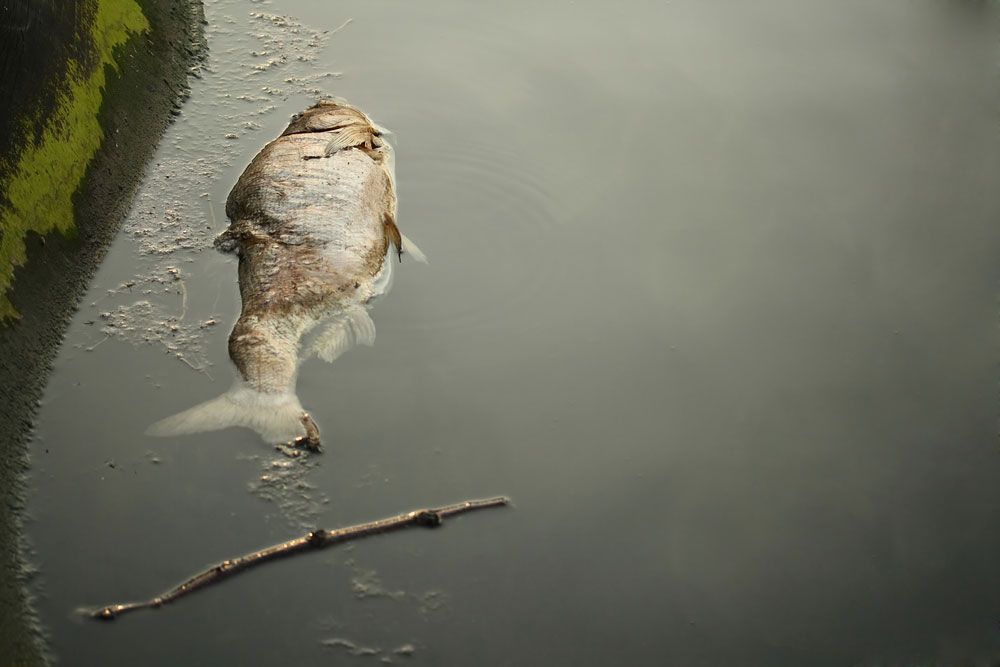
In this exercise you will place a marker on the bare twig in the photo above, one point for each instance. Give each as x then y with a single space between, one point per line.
341 27
317 539
184 300
94 346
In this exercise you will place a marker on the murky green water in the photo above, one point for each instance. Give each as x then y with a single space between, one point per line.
712 296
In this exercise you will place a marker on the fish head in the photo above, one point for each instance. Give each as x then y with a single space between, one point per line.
331 114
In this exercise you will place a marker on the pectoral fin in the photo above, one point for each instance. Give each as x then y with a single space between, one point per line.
347 137
410 248
401 242
228 241
395 237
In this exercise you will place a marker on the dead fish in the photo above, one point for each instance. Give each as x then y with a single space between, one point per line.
312 219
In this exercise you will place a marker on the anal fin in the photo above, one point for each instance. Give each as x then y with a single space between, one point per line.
348 137
349 328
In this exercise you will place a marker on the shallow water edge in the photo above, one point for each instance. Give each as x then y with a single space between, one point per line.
97 85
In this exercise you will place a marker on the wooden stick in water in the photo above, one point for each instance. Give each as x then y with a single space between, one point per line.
317 539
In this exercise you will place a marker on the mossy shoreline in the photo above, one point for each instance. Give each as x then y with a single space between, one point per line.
65 189
42 179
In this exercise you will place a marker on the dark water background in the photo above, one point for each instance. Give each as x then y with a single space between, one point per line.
712 296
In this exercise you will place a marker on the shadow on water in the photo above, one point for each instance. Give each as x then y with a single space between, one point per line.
712 297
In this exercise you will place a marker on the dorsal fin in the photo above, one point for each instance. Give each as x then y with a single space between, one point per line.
356 134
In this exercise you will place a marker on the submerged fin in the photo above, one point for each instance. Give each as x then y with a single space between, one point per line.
410 248
400 241
275 417
395 236
350 328
227 242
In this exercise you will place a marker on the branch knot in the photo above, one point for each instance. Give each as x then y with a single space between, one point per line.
428 518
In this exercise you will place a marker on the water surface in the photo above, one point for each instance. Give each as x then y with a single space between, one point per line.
712 296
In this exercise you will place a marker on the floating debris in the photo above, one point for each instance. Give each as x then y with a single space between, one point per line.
405 649
432 601
351 647
147 323
367 584
355 649
282 482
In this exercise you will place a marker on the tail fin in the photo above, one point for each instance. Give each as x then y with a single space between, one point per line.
275 417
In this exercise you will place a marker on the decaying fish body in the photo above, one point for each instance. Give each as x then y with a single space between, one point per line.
312 219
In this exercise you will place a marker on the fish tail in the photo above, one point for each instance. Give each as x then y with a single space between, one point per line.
275 417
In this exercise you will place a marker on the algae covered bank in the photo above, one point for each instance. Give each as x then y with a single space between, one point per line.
86 90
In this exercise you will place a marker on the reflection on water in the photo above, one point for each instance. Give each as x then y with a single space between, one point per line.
712 298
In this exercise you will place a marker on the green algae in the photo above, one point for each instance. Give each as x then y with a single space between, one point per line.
51 168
